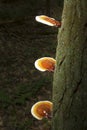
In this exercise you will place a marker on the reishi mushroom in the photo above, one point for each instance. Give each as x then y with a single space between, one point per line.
48 20
42 109
45 64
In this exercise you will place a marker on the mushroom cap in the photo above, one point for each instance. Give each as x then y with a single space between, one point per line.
44 19
45 63
47 20
41 108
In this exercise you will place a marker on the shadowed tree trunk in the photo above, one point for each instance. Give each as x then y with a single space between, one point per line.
70 77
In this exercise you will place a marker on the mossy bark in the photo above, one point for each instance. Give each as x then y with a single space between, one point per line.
70 76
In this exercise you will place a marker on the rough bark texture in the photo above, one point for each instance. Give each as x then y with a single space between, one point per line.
70 77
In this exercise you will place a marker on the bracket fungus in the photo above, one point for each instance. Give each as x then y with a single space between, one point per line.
42 109
48 20
45 64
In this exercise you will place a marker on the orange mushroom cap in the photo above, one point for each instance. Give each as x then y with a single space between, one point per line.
45 64
42 109
48 20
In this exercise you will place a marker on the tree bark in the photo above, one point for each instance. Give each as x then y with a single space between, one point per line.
70 76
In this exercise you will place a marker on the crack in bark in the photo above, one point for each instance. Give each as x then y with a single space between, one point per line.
60 101
61 62
77 87
72 96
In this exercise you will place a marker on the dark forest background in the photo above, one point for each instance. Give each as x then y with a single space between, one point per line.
22 41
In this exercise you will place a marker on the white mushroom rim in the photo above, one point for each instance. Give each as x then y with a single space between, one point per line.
33 109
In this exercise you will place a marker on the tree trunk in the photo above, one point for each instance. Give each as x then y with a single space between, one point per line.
70 76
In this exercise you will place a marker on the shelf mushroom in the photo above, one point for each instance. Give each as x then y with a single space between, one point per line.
45 64
48 20
42 109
